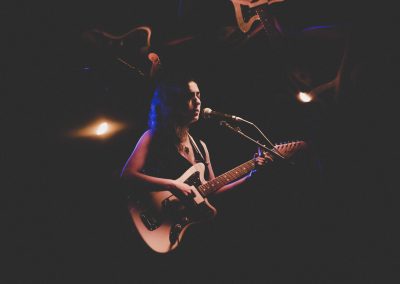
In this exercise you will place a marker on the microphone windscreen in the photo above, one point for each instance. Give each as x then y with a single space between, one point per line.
206 112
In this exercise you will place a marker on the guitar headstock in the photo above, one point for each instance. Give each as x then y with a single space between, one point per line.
245 12
287 150
255 3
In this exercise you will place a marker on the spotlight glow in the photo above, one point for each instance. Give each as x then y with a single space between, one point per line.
304 97
100 128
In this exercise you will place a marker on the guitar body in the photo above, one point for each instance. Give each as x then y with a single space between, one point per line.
162 219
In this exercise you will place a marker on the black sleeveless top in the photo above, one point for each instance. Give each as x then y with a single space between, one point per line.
165 161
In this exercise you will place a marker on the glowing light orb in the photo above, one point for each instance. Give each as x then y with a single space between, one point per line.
102 128
304 97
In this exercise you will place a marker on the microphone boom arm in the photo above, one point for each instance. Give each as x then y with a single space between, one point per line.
269 142
237 130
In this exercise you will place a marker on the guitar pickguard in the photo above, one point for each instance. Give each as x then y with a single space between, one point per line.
186 211
194 179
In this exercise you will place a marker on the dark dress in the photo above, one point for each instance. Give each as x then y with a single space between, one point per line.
165 161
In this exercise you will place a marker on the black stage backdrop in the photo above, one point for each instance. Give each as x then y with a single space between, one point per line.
330 218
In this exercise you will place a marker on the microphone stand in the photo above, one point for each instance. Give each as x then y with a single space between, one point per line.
255 126
239 131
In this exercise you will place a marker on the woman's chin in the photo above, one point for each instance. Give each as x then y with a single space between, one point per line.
195 118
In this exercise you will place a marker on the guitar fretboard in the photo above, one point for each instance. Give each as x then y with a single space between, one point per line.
285 149
220 181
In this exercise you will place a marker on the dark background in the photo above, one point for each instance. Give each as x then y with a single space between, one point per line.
330 218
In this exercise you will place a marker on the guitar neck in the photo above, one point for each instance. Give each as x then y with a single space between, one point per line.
285 149
238 172
265 19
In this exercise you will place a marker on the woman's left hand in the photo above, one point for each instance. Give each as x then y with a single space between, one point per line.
262 159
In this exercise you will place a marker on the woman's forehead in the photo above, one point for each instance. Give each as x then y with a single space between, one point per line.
193 88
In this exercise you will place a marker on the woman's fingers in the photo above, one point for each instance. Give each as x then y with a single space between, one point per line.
189 193
187 190
262 160
269 157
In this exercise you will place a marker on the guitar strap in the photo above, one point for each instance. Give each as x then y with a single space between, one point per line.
197 150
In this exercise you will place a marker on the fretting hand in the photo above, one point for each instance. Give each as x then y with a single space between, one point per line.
261 159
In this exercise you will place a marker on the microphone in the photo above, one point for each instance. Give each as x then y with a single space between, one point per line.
208 113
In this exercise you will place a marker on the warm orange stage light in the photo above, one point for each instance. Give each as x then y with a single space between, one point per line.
304 97
101 128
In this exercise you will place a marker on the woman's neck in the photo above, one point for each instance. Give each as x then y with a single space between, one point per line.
183 134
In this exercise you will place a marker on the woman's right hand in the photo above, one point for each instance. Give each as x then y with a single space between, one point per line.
182 190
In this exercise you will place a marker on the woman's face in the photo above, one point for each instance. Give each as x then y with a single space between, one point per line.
193 102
